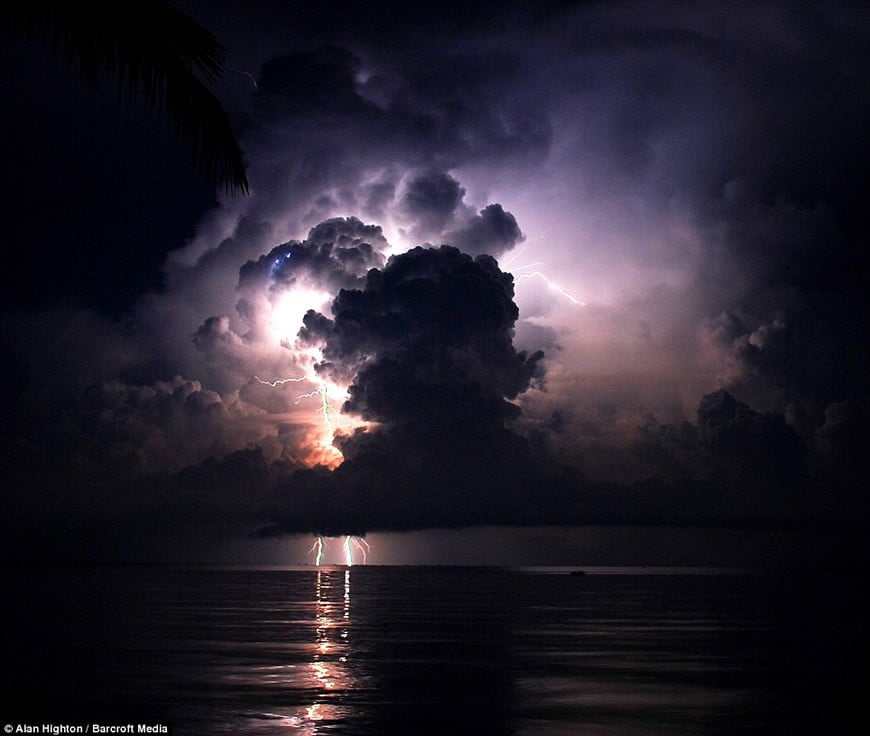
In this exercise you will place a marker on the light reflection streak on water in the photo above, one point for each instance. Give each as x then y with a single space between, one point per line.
331 674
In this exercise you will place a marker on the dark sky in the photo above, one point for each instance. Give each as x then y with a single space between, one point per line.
503 268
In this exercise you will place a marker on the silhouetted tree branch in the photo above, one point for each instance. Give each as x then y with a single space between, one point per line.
157 52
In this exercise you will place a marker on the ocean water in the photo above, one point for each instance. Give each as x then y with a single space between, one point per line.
408 650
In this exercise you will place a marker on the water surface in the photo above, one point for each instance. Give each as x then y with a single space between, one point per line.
394 650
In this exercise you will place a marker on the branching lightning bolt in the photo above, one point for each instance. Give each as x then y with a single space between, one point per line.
326 407
363 547
355 543
309 395
280 381
317 548
517 271
319 391
555 287
350 543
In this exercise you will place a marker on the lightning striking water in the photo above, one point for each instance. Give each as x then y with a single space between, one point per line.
355 543
317 547
350 543
362 547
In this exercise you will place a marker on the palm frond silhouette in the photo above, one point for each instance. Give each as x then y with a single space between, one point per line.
157 53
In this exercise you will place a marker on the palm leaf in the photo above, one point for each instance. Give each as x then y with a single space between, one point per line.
156 52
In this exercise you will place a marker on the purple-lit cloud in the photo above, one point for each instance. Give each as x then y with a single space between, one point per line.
563 268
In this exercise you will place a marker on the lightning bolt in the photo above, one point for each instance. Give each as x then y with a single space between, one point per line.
319 545
363 547
555 287
280 381
317 548
320 391
355 543
351 543
518 272
244 74
309 395
326 407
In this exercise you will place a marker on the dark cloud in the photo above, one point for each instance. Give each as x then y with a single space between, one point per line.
378 195
336 254
839 455
757 446
216 339
690 187
335 129
427 347
729 444
430 201
164 426
317 84
435 311
492 231
432 208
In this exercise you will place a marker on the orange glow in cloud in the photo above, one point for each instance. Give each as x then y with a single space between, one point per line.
288 309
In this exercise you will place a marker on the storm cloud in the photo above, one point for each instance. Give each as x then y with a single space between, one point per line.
534 262
427 348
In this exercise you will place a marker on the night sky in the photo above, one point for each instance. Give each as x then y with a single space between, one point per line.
518 282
